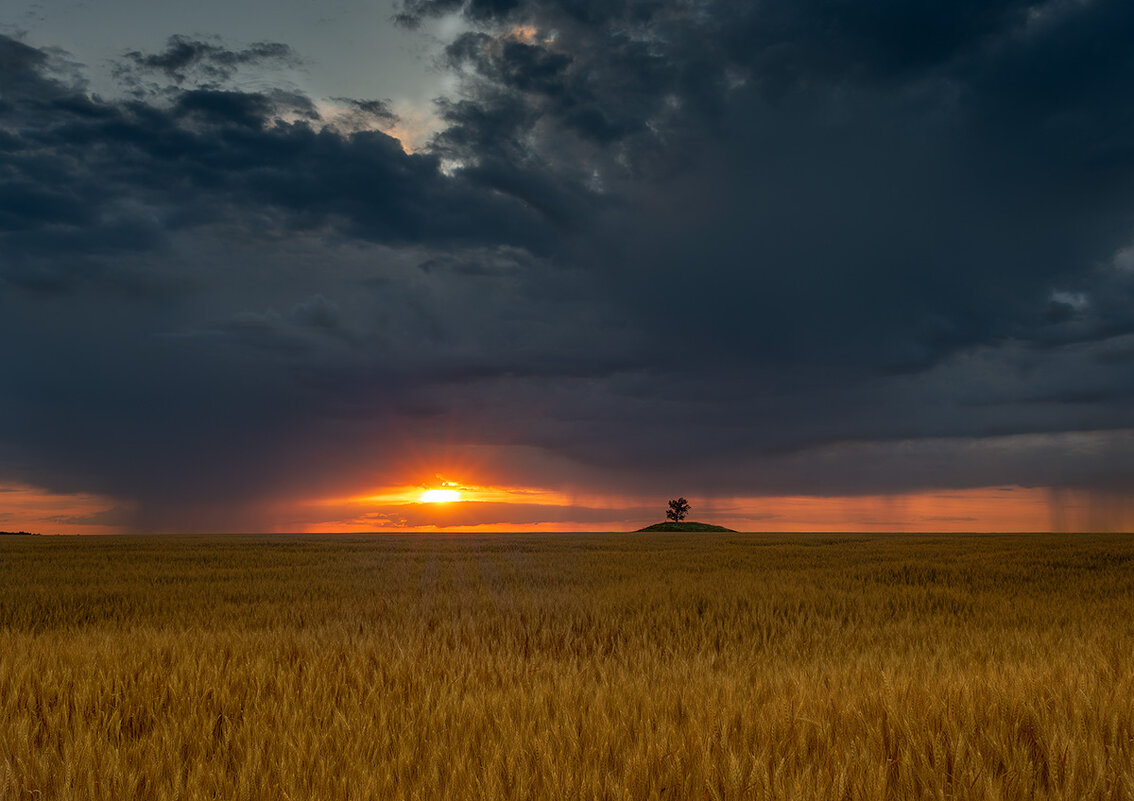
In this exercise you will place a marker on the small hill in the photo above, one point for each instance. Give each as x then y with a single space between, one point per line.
686 525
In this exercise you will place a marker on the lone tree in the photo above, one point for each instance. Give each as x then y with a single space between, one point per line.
678 508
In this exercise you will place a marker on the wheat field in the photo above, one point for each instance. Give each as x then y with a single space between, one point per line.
567 667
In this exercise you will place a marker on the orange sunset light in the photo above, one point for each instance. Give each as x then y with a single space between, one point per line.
28 508
440 496
445 505
453 492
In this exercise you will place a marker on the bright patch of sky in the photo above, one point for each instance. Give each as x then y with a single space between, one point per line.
350 48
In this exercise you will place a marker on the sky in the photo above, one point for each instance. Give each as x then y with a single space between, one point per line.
814 265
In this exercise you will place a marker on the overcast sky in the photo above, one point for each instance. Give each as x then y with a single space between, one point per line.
253 252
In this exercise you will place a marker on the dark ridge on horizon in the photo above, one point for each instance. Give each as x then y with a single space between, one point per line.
692 525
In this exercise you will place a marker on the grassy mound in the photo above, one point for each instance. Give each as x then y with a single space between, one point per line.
685 525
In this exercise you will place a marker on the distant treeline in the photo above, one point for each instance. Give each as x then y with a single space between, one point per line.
18 534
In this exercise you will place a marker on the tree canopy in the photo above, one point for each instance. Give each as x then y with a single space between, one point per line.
678 508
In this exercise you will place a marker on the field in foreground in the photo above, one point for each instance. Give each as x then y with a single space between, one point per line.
567 667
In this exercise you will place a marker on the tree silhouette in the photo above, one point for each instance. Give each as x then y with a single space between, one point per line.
678 508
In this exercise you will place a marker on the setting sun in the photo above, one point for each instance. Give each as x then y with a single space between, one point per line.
440 496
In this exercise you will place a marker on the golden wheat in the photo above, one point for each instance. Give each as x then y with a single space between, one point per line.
567 667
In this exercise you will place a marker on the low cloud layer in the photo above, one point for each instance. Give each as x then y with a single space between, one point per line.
775 248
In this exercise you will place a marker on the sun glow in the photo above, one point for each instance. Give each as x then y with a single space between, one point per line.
440 496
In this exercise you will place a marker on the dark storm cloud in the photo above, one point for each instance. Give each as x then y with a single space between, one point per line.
825 209
413 11
872 183
740 247
85 177
151 363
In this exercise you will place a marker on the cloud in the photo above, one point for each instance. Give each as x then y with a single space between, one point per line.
86 177
764 248
210 62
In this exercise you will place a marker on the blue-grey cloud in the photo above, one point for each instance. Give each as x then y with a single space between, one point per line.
208 61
